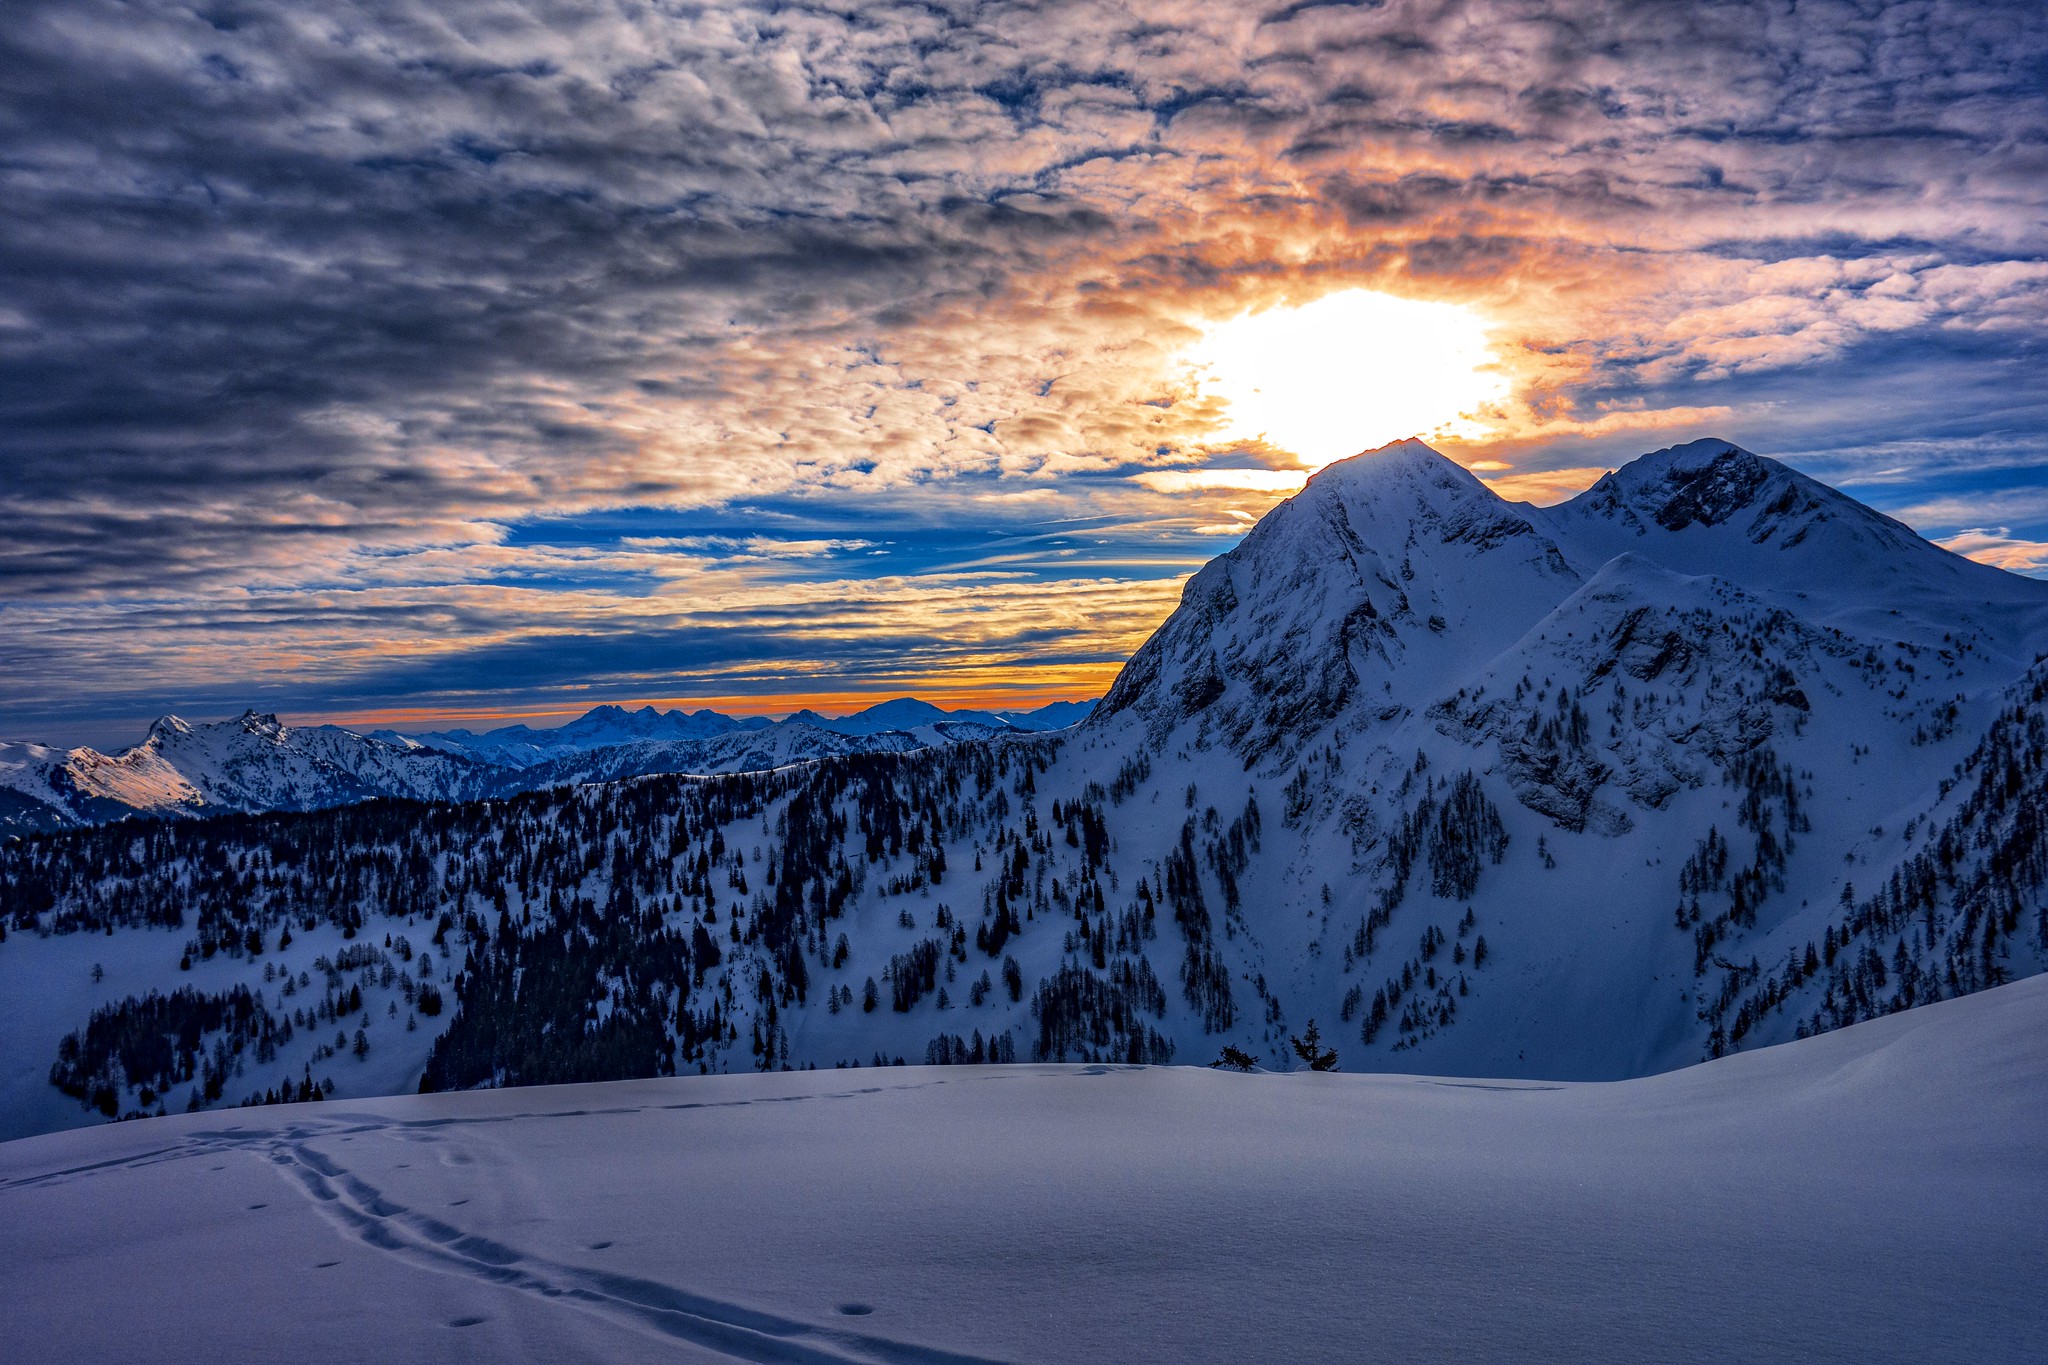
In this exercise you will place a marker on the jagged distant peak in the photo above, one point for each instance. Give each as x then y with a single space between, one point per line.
613 714
264 723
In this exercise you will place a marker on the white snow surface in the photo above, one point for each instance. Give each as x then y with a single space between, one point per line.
1874 1194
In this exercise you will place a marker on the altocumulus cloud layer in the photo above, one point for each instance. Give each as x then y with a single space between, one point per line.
374 354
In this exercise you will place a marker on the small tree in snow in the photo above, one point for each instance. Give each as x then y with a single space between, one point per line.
1309 1047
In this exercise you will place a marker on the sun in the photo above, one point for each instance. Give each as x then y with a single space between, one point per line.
1349 372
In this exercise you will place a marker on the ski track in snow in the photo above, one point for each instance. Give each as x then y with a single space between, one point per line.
363 1212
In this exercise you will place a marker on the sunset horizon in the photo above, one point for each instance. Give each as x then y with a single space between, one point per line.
1091 681
430 372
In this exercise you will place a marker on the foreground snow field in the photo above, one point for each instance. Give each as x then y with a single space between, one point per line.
1876 1193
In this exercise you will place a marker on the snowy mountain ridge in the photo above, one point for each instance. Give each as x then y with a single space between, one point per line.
1708 758
256 762
518 746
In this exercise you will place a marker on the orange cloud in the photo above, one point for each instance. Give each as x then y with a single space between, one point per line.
1546 486
1998 547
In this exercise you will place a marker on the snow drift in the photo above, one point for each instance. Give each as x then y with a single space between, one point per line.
1876 1194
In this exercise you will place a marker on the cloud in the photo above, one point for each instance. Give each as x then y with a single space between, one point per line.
1957 510
1545 487
747 547
307 304
1997 546
1192 480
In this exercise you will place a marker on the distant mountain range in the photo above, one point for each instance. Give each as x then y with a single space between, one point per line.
256 762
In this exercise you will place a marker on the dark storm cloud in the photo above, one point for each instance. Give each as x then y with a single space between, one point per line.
311 303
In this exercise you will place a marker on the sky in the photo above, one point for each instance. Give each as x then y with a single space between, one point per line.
441 361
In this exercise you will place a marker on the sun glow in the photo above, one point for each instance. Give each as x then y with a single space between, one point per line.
1349 372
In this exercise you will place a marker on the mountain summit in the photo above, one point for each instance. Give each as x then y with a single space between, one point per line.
1395 566
1395 575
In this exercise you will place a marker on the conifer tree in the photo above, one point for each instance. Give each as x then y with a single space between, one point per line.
1309 1047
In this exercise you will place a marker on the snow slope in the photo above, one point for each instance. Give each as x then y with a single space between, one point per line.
49 987
1876 1194
43 787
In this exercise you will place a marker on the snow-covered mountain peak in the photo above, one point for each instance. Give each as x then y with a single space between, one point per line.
1712 508
1392 566
1396 579
1412 455
1409 469
1713 482
1711 486
169 728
